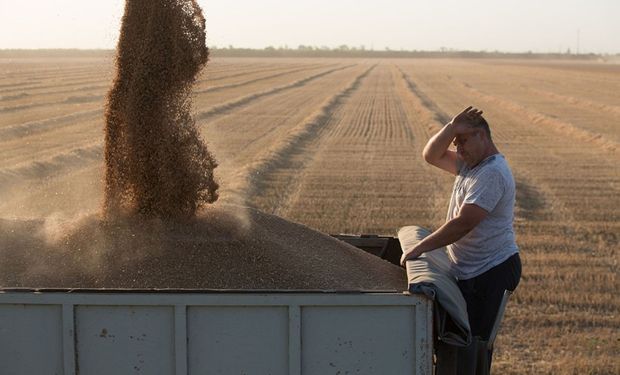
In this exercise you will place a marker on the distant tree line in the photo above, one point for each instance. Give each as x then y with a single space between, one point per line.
324 51
361 51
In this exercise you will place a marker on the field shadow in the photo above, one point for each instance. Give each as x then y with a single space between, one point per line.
530 202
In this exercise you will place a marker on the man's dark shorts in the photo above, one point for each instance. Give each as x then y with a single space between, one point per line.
484 293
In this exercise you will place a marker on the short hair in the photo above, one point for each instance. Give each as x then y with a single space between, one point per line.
480 122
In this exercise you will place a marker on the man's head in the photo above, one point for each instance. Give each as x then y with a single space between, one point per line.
475 145
480 123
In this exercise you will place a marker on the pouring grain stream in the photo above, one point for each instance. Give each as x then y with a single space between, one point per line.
156 163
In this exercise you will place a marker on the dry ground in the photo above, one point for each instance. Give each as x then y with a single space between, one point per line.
336 144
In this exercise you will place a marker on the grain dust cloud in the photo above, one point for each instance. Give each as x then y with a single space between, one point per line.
156 163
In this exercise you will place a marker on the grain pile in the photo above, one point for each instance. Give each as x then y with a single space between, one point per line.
156 163
225 247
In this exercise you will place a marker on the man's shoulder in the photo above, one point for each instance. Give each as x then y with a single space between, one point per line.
497 166
495 172
501 166
500 173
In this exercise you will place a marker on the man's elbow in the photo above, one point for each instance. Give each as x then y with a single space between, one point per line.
427 156
466 226
469 217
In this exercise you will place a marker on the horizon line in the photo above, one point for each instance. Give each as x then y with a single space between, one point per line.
352 49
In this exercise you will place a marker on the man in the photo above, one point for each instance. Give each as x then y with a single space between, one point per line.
478 231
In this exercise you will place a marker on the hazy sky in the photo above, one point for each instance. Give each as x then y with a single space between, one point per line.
505 25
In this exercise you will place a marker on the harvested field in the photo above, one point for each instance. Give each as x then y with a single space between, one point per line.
336 145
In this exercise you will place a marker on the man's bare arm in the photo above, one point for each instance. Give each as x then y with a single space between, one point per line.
437 153
453 230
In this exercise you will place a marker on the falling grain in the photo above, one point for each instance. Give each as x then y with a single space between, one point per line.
156 163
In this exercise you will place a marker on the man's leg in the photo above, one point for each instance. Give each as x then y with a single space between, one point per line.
483 295
466 357
489 290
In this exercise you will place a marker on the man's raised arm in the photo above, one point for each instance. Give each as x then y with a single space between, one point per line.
436 151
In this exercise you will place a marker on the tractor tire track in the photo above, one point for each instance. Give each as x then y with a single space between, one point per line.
74 159
234 104
76 99
440 116
251 177
11 132
249 72
249 82
311 136
55 85
92 88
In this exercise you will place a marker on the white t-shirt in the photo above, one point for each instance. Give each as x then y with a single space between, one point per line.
489 185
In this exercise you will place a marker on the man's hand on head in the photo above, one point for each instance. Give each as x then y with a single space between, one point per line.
437 152
462 122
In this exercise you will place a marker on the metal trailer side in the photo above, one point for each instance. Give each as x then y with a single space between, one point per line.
214 333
